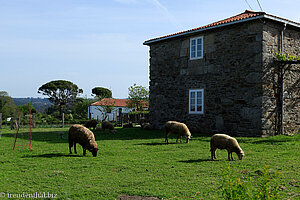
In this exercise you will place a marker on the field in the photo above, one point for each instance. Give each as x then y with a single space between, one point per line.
138 162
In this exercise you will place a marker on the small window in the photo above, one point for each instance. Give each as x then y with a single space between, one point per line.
196 48
196 101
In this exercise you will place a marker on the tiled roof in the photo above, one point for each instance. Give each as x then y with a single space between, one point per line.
247 15
114 102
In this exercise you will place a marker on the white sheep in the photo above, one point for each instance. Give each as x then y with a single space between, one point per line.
83 136
223 141
178 128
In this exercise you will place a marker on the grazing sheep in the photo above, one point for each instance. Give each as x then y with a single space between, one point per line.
129 125
222 141
142 121
147 126
99 128
83 136
109 126
91 123
177 128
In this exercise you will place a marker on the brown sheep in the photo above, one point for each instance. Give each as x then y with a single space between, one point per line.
109 126
180 129
83 136
222 141
91 123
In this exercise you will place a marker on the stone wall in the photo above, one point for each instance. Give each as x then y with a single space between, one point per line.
231 74
271 81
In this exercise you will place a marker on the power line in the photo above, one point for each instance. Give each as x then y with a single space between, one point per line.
259 5
249 5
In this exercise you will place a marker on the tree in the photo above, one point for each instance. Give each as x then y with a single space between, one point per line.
101 93
4 99
26 109
60 92
80 108
138 97
7 106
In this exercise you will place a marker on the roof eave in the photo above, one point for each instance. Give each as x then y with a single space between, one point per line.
201 30
222 25
282 21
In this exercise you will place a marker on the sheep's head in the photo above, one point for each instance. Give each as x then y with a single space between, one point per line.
94 151
188 138
240 155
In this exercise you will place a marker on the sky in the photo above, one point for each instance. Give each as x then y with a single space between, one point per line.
99 43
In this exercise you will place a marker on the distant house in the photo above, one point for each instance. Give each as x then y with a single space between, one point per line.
223 77
96 110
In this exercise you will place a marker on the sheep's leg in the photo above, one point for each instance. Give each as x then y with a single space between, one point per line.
177 139
166 140
213 154
84 151
181 139
70 146
230 156
75 148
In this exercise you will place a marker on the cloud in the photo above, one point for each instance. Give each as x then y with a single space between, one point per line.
166 12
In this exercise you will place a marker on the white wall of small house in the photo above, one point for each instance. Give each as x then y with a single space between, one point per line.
97 114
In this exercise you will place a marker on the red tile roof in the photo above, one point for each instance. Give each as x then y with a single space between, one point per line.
247 15
114 102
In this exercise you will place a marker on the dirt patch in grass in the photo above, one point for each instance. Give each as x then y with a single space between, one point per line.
128 197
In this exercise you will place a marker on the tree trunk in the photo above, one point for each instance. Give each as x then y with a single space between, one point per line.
63 120
60 110
0 120
33 120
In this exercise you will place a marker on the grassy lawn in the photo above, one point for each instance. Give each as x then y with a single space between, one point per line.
137 162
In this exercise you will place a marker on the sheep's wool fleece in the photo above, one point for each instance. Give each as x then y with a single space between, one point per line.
82 135
177 128
222 141
108 125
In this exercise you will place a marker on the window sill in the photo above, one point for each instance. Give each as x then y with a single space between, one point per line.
198 58
196 113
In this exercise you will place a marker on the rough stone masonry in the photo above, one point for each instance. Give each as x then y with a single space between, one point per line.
238 75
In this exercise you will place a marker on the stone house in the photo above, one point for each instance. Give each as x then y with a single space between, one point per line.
223 77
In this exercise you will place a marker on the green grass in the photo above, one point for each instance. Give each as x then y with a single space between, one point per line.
137 162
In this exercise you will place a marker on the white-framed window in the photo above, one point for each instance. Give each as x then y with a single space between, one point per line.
196 101
196 48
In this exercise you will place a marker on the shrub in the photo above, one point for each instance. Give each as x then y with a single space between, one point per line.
286 57
265 186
